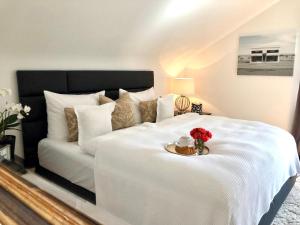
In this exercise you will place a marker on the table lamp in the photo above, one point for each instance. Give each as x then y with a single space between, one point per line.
183 86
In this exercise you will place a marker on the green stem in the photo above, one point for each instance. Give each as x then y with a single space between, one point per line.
199 144
4 115
4 123
1 124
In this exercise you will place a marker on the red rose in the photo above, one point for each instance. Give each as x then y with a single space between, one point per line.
208 134
201 133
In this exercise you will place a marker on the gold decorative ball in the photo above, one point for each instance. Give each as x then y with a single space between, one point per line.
182 103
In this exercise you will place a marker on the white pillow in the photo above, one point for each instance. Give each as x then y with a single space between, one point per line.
138 97
165 108
93 120
57 125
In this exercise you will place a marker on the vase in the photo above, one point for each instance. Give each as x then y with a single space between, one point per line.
9 140
199 145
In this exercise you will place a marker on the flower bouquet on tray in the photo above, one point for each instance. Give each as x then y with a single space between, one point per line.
200 136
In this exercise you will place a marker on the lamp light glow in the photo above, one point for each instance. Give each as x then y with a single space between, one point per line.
183 86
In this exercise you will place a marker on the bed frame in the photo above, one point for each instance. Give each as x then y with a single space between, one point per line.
31 85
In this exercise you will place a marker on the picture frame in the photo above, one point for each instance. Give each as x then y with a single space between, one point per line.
267 54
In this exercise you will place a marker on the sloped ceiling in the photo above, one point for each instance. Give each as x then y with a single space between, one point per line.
166 31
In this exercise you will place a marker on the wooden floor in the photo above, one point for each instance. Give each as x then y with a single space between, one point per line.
96 212
23 203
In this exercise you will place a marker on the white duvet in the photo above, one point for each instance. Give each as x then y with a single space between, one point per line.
138 181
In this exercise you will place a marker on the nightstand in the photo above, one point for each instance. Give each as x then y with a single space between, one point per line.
5 160
177 113
205 113
5 152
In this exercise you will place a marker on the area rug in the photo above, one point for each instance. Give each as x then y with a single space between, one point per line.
289 213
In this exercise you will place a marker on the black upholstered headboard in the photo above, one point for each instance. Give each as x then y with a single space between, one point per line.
31 85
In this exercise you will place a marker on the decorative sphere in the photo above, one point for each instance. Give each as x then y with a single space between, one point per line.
182 103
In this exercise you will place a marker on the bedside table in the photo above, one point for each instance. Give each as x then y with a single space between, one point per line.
5 152
205 113
5 161
177 113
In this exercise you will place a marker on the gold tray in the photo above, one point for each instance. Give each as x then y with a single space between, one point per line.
171 148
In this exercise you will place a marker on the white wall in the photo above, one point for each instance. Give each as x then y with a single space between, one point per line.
62 34
270 99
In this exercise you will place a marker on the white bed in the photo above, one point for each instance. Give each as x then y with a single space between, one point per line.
67 160
138 181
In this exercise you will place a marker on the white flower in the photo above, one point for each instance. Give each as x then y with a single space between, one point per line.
27 109
5 92
17 108
20 116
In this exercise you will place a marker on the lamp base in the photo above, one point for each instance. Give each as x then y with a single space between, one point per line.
182 103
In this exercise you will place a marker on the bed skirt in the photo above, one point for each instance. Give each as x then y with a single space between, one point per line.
80 191
278 200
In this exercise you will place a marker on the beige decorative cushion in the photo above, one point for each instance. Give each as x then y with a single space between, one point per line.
148 110
122 116
72 124
138 97
103 100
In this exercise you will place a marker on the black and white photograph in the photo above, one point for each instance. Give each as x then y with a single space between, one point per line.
269 55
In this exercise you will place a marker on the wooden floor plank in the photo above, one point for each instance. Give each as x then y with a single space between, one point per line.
20 199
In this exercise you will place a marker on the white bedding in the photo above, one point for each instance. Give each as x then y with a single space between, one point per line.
137 180
67 160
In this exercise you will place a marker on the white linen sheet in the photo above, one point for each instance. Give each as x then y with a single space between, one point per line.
138 181
67 160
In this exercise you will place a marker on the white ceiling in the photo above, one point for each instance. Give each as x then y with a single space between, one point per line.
119 28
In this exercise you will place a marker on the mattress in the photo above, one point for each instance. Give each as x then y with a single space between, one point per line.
67 160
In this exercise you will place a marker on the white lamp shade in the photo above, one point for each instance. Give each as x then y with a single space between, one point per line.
183 86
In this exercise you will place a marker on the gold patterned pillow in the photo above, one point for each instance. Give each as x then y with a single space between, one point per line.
122 116
148 110
72 124
103 100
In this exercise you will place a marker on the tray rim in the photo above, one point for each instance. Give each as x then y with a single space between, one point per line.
176 153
